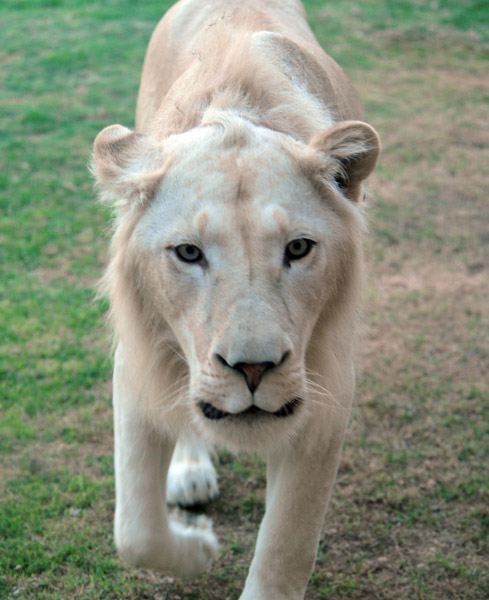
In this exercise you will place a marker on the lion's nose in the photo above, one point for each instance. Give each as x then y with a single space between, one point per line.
253 372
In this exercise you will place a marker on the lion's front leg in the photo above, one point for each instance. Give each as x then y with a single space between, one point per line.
144 535
299 486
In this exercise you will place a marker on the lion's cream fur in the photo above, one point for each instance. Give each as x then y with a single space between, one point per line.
247 136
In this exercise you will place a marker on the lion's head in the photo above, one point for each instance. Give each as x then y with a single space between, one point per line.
236 251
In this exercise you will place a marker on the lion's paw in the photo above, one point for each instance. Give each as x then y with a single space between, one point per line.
198 546
191 482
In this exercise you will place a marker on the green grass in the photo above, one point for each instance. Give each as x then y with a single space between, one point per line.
409 517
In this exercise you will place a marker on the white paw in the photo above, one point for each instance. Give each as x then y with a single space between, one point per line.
185 549
191 482
197 546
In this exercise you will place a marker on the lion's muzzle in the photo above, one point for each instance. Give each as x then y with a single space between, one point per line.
215 414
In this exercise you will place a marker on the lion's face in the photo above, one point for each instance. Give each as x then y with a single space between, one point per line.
240 254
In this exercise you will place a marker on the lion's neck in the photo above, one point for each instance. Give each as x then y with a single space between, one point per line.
241 83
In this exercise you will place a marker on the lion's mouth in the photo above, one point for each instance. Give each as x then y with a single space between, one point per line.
215 414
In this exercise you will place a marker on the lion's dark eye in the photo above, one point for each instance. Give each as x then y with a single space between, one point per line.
188 253
341 181
297 249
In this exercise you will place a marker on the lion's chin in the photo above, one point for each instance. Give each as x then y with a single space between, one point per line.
253 429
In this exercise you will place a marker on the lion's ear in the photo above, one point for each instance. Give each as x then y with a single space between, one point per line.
124 166
354 147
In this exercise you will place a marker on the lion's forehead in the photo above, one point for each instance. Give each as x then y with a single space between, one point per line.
261 221
258 221
209 160
225 194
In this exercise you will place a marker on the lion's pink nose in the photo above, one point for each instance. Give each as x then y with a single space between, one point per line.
253 372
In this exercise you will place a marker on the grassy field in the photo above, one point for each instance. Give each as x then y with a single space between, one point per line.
410 514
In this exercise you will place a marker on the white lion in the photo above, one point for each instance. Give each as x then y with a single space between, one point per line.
234 280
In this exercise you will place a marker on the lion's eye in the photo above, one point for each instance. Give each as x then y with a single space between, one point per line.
297 249
188 253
